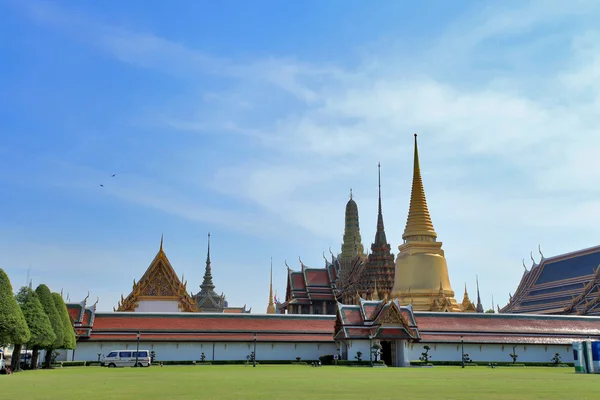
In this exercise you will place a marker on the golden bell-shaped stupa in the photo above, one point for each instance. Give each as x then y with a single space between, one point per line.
421 272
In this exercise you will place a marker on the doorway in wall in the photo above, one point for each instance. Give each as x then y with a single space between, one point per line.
386 352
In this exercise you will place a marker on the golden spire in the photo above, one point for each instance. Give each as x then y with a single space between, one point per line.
466 296
161 242
375 292
418 222
271 307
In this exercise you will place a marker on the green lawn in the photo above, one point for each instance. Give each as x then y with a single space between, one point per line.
282 382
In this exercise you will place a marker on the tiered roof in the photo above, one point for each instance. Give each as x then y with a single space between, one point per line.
158 282
376 320
311 284
567 283
82 317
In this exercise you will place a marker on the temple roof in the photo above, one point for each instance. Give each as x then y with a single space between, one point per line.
505 328
375 319
552 286
212 326
159 281
310 284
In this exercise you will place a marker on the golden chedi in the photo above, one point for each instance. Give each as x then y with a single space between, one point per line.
421 272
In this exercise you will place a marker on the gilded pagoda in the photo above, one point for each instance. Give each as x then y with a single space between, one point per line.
418 276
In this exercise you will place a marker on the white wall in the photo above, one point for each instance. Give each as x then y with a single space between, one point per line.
491 352
185 351
158 306
354 346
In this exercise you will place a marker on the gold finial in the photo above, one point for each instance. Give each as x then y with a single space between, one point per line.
418 223
161 243
271 307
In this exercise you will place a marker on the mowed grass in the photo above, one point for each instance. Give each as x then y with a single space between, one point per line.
275 382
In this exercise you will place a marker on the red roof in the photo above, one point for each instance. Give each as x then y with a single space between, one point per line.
229 337
205 322
352 316
317 277
506 323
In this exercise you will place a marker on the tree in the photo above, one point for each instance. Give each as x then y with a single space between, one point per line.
490 311
42 335
425 356
55 320
13 327
514 355
69 341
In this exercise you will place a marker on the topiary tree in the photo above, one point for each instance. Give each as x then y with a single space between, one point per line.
55 320
69 340
358 356
556 359
425 356
514 355
13 327
38 322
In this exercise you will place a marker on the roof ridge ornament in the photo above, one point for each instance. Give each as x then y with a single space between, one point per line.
540 251
531 256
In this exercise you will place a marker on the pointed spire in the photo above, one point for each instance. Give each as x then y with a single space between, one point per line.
271 306
207 282
375 292
380 238
479 305
161 242
418 223
493 308
352 242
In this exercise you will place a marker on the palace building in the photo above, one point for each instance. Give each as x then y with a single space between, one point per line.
160 290
564 284
353 305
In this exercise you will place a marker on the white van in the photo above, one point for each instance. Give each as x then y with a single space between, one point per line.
127 358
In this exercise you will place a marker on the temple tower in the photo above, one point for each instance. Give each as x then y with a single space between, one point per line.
379 272
352 246
271 307
479 305
352 257
207 299
421 271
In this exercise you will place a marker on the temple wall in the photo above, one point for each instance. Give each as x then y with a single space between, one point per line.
182 351
491 352
354 346
186 351
158 306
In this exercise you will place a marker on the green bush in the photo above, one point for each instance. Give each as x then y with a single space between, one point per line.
499 364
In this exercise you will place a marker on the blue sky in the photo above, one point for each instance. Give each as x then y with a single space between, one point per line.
252 120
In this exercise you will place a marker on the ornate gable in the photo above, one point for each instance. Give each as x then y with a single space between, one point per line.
158 282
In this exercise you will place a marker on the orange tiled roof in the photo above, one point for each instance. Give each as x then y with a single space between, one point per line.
205 322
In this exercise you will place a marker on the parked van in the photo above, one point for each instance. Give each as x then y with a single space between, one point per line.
127 358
